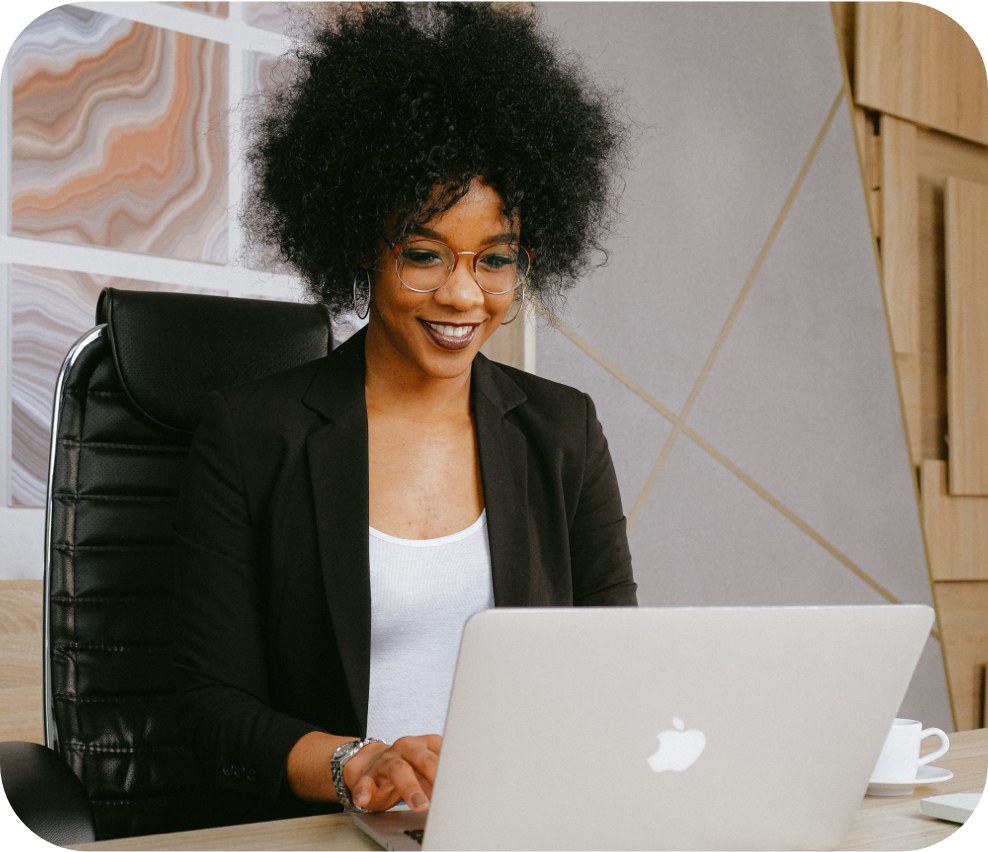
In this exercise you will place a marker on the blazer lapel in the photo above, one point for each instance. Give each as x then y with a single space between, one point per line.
503 452
339 473
338 469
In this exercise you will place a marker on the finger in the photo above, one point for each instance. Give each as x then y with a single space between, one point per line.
406 782
426 785
364 792
383 796
418 752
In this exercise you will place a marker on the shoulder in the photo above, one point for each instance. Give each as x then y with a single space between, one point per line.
304 395
535 403
275 396
541 392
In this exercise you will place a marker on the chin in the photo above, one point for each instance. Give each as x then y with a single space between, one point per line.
448 365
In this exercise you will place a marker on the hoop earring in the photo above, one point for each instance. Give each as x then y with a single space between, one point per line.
521 308
356 310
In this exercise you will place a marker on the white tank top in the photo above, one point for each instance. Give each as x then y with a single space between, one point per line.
422 593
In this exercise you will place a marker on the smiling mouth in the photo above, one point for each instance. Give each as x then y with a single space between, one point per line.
450 336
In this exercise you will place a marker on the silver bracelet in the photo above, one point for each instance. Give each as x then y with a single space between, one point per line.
340 758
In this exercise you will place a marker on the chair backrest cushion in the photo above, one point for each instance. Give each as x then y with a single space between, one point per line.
172 349
130 403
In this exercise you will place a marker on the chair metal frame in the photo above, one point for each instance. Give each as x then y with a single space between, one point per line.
88 339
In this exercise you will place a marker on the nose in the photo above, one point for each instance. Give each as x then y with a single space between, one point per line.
461 290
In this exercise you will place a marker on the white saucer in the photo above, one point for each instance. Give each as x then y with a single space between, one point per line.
924 775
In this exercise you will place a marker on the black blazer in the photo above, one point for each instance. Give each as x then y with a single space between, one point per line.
272 565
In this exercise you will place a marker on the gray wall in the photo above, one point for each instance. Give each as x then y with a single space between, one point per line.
736 345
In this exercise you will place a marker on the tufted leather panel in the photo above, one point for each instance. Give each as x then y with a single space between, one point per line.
116 475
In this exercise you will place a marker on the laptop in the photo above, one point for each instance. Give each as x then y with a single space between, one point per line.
654 728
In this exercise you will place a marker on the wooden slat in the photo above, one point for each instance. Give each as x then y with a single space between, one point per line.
932 360
956 528
939 156
900 231
20 661
915 62
966 258
507 344
961 609
909 370
924 378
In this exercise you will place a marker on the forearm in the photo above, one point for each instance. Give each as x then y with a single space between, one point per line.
308 770
243 743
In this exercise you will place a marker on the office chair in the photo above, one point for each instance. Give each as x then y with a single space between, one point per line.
128 398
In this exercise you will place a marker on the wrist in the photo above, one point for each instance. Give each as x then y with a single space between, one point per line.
358 764
340 762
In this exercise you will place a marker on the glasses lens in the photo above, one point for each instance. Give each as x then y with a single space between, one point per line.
501 268
424 264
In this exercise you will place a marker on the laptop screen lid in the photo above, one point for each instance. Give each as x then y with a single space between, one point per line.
668 728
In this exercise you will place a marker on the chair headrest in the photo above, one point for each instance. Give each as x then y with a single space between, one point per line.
172 350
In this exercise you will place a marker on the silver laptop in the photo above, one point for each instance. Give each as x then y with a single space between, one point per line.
706 728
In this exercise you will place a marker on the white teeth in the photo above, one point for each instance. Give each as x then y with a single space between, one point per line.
453 331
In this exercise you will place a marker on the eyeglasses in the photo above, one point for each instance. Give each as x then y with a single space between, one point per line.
424 265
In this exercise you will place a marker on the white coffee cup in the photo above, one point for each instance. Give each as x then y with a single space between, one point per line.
900 760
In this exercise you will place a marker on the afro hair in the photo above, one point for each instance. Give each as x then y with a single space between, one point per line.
393 109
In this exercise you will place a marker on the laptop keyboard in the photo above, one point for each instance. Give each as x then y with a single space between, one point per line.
416 834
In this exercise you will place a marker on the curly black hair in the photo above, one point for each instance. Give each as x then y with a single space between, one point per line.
390 101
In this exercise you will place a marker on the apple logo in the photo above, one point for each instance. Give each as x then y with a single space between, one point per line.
678 749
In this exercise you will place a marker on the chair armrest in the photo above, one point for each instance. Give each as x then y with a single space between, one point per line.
46 794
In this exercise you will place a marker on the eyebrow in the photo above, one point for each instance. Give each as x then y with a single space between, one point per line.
506 237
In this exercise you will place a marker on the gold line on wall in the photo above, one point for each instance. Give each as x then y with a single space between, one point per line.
778 505
718 344
609 365
735 310
681 426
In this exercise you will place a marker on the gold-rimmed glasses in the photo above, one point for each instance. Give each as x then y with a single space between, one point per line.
424 265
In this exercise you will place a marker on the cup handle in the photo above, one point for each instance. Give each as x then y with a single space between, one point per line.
944 745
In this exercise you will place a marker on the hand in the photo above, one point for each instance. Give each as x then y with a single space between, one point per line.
379 776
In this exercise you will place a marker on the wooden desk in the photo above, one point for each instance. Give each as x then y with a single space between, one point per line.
881 823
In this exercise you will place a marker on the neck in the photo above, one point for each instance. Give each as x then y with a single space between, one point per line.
395 384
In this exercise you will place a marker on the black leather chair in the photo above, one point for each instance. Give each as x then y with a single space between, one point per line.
128 399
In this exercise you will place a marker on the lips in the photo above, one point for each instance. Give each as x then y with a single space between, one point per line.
449 336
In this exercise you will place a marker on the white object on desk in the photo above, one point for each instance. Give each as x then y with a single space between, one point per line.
924 775
900 753
955 807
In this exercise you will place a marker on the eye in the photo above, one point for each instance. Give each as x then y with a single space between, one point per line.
498 260
421 257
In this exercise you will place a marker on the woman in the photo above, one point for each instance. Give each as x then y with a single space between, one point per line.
342 520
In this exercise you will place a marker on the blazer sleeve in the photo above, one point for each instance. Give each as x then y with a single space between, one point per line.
220 661
599 553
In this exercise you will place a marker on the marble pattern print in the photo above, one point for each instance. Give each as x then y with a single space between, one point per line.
221 10
278 17
268 16
50 310
120 136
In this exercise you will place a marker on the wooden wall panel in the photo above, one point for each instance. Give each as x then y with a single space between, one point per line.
507 344
956 528
961 608
939 156
917 63
966 258
20 661
900 231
